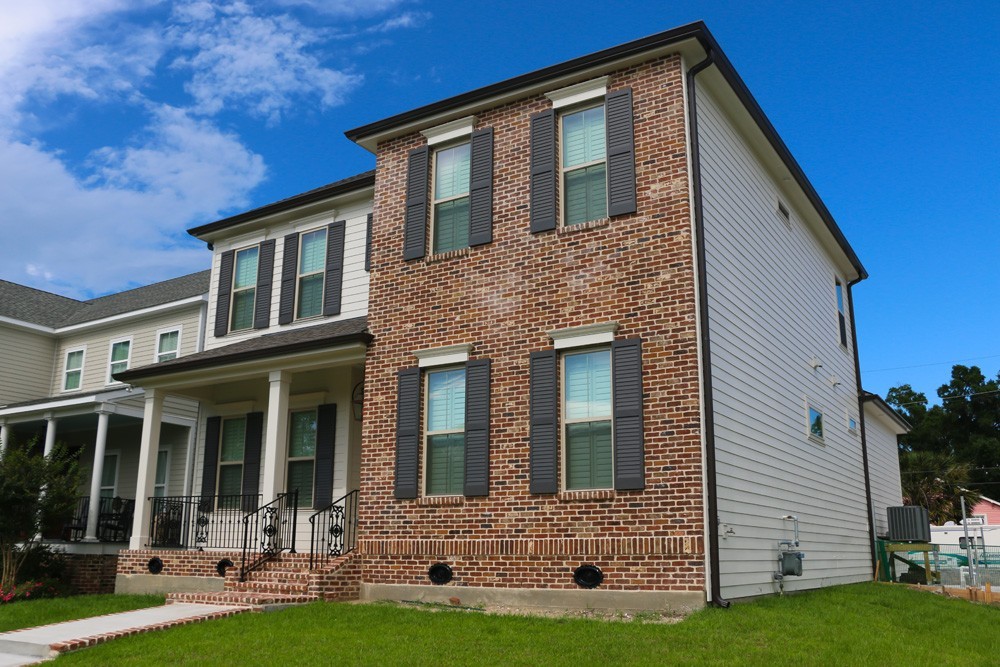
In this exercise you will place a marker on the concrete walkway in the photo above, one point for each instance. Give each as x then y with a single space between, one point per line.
32 645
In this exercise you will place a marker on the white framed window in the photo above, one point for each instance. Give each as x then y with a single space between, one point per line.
302 431
109 476
588 461
73 372
444 432
450 209
814 422
853 424
244 293
168 344
119 356
230 476
841 311
162 473
583 165
311 275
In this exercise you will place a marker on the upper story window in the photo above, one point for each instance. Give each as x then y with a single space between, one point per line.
815 423
587 439
121 351
841 314
311 273
244 288
584 170
451 198
168 345
73 375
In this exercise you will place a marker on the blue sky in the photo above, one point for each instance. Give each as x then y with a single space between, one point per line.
125 122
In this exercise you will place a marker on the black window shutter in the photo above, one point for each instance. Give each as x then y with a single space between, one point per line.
626 383
543 171
251 459
326 426
621 152
407 433
481 188
368 243
334 267
265 276
225 292
477 428
417 185
209 471
289 273
544 434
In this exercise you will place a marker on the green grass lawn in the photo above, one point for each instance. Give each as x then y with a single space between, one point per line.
864 624
55 610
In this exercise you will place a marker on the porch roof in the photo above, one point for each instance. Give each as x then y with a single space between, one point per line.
105 395
354 330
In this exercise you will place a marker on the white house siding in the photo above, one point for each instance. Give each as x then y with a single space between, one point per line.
772 308
354 295
142 330
883 463
25 364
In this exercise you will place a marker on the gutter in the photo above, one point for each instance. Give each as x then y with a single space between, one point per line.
712 512
861 419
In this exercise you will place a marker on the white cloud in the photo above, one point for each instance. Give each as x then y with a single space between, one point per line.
401 21
344 8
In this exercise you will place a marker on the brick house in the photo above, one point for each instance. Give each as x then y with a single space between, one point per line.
602 328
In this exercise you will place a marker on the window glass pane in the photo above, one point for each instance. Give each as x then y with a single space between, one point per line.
583 137
446 400
233 435
451 225
110 472
302 441
451 172
167 346
73 380
119 367
588 384
840 297
300 476
586 194
310 295
446 464
312 252
243 309
816 423
588 455
119 351
74 360
161 467
230 482
245 274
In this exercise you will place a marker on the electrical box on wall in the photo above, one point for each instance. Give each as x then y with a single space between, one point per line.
791 563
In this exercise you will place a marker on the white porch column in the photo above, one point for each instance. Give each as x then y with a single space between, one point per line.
50 433
4 434
96 475
276 434
149 445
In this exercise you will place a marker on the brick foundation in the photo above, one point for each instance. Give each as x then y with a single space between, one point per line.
92 574
175 562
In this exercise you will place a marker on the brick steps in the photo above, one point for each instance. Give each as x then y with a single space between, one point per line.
253 599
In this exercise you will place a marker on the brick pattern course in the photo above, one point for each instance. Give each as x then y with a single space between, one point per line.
92 574
503 298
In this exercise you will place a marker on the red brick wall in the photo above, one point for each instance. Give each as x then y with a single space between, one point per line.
91 574
503 298
175 562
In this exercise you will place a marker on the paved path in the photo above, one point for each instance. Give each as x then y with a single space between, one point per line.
32 645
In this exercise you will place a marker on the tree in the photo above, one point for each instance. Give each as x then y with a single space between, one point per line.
937 482
35 491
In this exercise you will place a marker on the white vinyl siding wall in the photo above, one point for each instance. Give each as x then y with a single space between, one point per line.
26 359
772 308
883 464
354 297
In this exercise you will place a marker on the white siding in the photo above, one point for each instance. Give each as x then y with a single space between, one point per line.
772 308
354 295
143 332
883 465
25 365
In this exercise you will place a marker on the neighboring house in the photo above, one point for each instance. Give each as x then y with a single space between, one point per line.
984 527
602 328
882 426
58 357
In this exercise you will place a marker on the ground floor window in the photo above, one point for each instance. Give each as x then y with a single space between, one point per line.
302 454
445 433
231 449
109 476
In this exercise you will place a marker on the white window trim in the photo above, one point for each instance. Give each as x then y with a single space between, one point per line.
450 355
578 92
127 360
434 201
166 477
563 170
156 348
66 371
857 423
810 405
426 433
232 288
299 275
584 336
118 462
564 421
446 132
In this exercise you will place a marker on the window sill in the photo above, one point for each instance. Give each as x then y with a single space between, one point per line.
588 494
816 441
441 500
451 254
593 224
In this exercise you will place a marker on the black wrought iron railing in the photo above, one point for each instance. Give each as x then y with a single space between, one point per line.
268 531
200 522
114 520
334 530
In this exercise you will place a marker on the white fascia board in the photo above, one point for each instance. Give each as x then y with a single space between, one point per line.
63 403
588 334
142 312
30 326
456 129
443 356
579 92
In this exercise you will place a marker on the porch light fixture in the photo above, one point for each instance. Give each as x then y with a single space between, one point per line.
358 400
439 574
588 576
